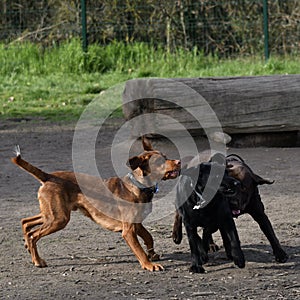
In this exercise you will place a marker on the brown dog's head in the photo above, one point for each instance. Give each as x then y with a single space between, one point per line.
152 166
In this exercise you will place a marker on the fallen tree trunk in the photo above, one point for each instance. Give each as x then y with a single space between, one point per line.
257 104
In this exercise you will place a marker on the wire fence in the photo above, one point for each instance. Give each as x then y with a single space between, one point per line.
223 28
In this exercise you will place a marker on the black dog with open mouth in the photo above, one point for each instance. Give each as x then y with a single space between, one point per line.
216 215
249 201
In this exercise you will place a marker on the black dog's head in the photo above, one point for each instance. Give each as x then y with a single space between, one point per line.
213 178
250 181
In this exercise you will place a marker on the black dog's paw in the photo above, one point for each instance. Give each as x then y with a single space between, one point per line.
197 269
177 237
229 256
204 257
239 261
281 256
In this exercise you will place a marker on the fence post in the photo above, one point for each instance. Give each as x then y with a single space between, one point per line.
266 29
83 25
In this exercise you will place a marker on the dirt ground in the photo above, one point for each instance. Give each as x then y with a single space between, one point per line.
88 262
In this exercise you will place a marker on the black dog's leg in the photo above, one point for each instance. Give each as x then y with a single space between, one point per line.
208 242
258 214
232 243
177 228
226 244
198 254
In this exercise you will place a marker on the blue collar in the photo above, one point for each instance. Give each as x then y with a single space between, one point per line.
152 189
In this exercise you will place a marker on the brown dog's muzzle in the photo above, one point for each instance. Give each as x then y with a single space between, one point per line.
173 169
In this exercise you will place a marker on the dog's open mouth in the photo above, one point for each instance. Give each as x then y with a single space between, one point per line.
235 212
171 174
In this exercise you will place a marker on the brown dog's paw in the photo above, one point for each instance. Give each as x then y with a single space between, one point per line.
41 263
153 256
153 267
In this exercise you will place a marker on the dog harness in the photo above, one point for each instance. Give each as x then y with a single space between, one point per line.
151 190
201 201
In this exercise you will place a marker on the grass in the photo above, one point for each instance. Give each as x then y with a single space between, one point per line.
57 83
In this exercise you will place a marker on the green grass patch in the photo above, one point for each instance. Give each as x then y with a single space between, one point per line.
59 82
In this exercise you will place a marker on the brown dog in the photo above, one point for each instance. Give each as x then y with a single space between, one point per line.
125 201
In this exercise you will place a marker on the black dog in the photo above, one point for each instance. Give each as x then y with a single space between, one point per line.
215 215
250 202
247 200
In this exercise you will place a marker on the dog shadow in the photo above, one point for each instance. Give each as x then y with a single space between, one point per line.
82 261
254 253
263 253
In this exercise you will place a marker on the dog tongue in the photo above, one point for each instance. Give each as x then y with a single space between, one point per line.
236 212
173 173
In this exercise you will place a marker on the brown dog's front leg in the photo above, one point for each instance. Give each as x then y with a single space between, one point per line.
129 234
148 240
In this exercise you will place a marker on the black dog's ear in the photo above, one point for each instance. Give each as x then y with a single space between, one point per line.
259 180
134 162
146 144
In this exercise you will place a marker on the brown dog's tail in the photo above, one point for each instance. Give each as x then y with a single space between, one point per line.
34 171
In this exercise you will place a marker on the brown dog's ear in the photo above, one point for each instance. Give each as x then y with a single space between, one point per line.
146 144
134 162
139 162
259 180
